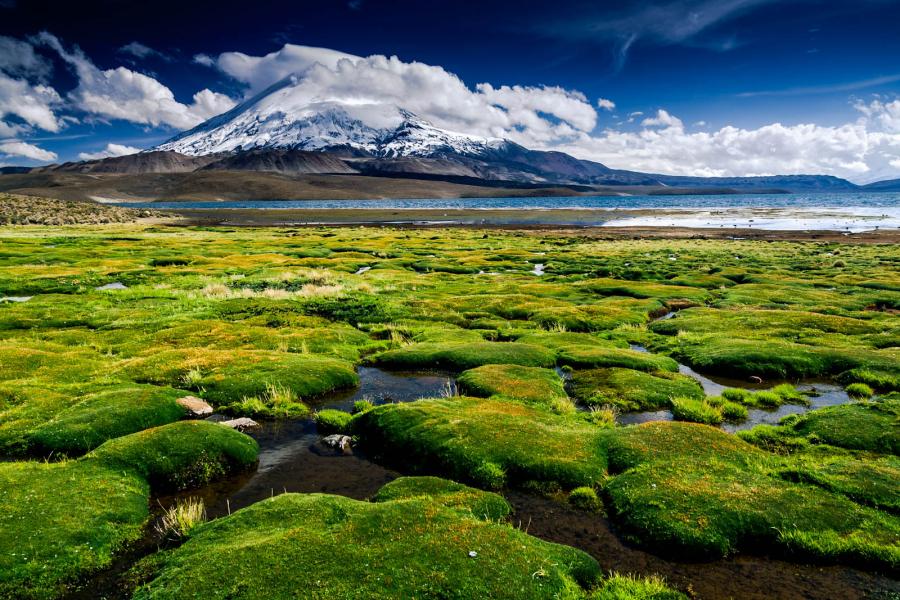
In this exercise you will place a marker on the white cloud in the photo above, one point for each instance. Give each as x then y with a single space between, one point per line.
885 115
204 59
110 151
141 51
15 148
34 104
850 150
606 104
121 93
529 115
663 119
259 72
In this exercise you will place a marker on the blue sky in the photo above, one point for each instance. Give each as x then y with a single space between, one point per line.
743 64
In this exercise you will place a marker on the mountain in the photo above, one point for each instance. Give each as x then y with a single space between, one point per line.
143 162
386 140
888 185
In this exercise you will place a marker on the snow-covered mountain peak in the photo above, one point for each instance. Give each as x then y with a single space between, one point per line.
284 117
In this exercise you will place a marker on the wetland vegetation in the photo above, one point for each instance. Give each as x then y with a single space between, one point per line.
452 362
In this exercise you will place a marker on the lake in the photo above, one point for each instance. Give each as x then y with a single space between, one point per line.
847 211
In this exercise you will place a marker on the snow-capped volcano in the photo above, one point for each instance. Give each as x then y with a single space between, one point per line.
284 117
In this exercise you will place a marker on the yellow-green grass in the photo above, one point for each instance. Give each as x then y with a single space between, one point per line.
530 384
462 356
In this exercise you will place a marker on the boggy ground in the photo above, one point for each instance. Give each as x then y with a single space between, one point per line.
103 329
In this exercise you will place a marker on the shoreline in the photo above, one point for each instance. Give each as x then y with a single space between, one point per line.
723 224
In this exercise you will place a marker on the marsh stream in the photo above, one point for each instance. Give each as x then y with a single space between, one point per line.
293 459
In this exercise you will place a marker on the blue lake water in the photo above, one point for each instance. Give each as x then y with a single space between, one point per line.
847 212
868 200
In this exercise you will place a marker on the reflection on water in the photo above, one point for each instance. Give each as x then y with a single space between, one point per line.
381 387
293 459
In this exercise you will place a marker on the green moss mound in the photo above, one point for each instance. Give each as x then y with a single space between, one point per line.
492 442
405 545
531 384
632 390
331 421
733 496
484 505
61 521
592 358
459 357
179 455
229 376
106 415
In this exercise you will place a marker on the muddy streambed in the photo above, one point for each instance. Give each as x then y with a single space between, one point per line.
292 458
746 577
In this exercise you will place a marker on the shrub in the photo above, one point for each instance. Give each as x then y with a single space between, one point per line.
362 406
331 421
737 395
789 394
767 398
585 498
732 411
695 411
490 475
859 391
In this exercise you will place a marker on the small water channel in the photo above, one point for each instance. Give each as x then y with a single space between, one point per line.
819 393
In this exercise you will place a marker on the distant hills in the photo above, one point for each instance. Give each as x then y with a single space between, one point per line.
281 146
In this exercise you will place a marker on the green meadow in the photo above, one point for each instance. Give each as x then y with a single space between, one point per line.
104 328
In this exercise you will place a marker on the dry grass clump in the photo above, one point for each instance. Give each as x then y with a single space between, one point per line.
33 210
178 521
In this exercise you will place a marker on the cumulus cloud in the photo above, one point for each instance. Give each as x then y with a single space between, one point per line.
16 148
851 150
606 104
121 93
884 114
663 119
33 104
259 72
111 150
